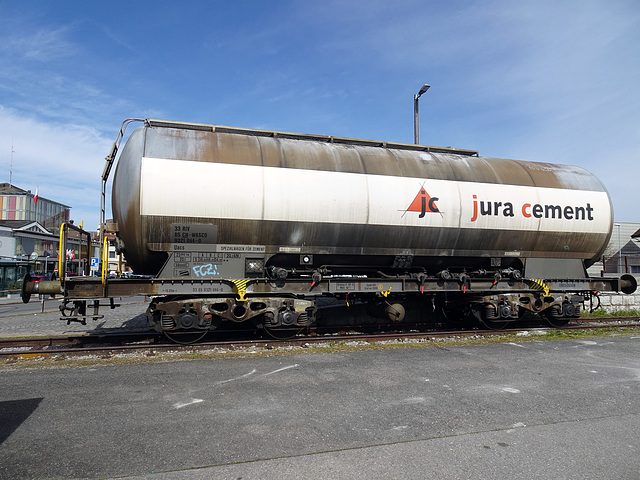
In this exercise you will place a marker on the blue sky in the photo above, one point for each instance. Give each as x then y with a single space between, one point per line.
549 81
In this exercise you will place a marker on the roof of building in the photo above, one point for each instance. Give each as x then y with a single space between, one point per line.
30 226
15 223
9 189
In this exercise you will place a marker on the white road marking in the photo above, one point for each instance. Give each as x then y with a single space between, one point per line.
510 390
237 378
282 369
185 404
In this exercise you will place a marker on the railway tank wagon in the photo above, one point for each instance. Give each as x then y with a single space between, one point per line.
264 227
246 224
317 196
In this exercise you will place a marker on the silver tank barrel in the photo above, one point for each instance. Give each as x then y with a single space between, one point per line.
316 194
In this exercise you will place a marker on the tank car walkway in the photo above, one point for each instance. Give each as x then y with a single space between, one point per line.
565 409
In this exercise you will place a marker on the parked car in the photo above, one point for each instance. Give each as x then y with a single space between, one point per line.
37 277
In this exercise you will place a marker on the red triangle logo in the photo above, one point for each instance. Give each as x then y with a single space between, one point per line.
423 203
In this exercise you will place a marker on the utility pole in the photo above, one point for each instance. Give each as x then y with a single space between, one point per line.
11 165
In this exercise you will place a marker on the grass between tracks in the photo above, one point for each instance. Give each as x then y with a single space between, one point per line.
601 313
63 360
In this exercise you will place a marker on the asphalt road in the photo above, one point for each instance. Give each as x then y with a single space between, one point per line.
556 409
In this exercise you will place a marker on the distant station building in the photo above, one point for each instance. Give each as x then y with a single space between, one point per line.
29 236
19 204
20 242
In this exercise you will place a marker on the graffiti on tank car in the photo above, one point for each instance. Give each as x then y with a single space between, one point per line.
205 270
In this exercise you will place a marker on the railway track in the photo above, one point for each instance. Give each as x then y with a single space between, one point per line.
102 344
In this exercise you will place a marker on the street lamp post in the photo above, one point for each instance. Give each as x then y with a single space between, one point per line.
619 249
424 88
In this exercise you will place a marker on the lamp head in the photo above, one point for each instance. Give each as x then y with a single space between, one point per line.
424 88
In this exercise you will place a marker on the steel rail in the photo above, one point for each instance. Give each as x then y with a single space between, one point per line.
83 344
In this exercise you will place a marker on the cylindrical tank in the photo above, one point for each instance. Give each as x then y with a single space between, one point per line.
331 196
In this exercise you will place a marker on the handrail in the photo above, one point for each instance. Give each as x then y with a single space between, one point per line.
61 272
105 259
110 159
62 250
305 136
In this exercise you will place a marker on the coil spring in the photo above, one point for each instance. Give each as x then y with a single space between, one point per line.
168 323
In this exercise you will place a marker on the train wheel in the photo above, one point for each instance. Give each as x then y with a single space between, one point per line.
283 333
186 337
494 324
453 316
554 317
488 317
557 322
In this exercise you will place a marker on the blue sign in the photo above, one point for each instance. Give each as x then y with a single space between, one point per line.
94 262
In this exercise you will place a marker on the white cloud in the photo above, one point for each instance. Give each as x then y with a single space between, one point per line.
64 161
42 45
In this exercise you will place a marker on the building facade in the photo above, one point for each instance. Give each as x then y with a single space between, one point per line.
27 247
30 237
19 204
622 254
20 242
